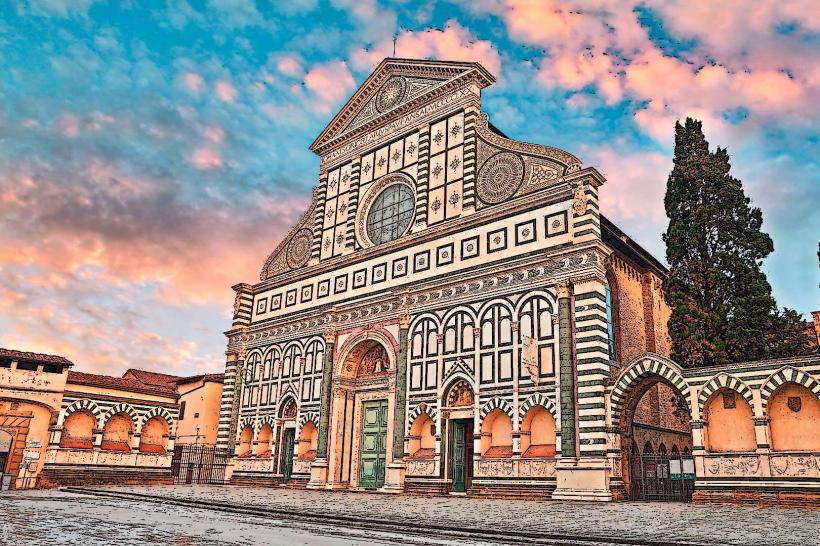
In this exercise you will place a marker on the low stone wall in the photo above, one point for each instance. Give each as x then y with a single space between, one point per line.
97 467
60 476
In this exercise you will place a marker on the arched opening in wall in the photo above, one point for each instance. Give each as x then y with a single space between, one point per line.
287 436
154 436
78 430
6 439
264 442
245 443
308 440
538 433
496 435
117 433
360 445
794 419
654 413
729 425
459 400
422 438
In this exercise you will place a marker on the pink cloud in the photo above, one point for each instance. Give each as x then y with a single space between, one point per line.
68 125
290 66
225 91
330 83
731 66
453 42
206 158
193 81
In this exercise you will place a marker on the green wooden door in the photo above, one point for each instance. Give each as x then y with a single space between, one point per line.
374 442
459 456
287 466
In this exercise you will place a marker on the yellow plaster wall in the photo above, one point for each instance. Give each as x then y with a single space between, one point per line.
729 430
790 430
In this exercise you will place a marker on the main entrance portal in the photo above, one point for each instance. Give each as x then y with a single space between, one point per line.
374 444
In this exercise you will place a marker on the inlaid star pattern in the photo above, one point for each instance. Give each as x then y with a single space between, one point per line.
455 130
454 199
438 136
437 170
367 168
396 155
381 161
436 204
454 163
411 149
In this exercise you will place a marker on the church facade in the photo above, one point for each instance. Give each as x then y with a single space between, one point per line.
452 314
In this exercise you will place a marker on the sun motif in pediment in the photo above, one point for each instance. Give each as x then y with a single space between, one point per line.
391 94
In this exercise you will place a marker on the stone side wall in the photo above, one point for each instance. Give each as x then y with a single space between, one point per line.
641 312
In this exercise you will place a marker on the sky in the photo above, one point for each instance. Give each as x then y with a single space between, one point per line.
152 154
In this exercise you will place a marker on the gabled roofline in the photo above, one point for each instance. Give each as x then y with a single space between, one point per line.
616 238
351 107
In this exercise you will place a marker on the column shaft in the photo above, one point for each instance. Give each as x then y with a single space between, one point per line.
399 412
569 433
324 411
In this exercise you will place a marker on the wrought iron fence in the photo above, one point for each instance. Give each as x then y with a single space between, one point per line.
199 464
661 478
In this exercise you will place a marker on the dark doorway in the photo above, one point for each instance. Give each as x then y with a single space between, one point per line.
287 463
461 454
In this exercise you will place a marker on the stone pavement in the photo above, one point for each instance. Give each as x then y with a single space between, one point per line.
35 518
645 521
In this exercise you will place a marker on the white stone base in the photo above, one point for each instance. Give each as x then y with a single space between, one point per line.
394 477
318 474
582 479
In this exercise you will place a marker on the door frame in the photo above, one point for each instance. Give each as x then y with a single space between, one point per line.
384 429
468 423
287 462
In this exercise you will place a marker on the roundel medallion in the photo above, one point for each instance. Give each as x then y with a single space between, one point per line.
299 248
499 178
391 93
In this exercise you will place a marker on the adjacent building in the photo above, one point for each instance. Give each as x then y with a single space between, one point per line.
453 314
63 427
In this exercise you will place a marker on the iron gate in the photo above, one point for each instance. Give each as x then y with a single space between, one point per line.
661 478
198 464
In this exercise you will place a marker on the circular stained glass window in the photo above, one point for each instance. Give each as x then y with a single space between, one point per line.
391 214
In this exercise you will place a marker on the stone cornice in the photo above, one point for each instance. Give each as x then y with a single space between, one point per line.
500 279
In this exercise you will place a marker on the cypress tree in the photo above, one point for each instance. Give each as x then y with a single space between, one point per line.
721 301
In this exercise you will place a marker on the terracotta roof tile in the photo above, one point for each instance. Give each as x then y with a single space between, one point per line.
121 383
35 357
152 378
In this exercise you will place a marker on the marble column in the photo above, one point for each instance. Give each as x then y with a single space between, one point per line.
568 398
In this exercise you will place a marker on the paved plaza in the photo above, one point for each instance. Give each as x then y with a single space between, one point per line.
659 523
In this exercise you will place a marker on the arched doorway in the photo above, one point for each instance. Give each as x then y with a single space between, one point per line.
361 428
287 441
459 410
5 448
652 413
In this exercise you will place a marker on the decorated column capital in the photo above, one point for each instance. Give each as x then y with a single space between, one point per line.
404 321
563 288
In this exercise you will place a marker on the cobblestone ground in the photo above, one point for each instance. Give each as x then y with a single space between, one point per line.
660 522
54 518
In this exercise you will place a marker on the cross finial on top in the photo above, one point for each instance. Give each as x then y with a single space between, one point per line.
395 38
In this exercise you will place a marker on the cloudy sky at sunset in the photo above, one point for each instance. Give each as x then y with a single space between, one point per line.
152 154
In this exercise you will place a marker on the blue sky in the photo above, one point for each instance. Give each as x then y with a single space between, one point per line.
153 153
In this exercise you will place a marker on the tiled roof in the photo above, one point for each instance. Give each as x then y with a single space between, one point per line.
152 378
121 383
207 377
35 357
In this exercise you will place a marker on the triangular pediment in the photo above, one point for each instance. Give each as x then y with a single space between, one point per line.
394 86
